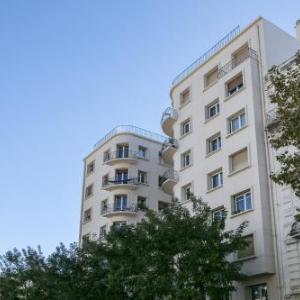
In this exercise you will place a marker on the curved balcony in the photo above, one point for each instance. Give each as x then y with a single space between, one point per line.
170 179
113 184
168 149
295 230
168 119
110 211
114 157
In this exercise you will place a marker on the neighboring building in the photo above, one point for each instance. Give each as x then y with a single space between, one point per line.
122 176
285 204
217 124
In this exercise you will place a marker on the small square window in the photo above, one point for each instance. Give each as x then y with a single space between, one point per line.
219 214
142 152
87 215
238 160
213 143
90 168
141 202
234 85
211 77
236 121
185 97
212 109
142 177
186 159
89 191
241 202
249 250
185 127
215 179
186 192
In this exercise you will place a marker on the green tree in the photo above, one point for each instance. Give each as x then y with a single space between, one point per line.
285 93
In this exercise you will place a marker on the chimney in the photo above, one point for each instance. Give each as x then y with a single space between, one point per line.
298 29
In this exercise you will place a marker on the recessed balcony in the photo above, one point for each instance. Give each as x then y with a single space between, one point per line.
170 180
113 184
110 211
169 117
111 158
168 149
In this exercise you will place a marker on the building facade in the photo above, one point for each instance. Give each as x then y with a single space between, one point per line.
217 122
122 176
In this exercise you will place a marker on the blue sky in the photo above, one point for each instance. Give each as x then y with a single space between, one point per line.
72 70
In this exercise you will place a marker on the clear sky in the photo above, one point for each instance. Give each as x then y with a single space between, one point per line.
72 70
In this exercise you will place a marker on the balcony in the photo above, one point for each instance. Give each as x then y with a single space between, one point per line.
271 118
110 211
170 179
113 184
295 230
168 149
114 157
169 117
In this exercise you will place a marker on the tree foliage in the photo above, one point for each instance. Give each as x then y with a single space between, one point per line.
171 255
285 93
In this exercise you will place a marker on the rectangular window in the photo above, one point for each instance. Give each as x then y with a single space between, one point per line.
105 180
141 202
186 159
185 127
249 250
122 151
213 143
215 179
259 292
186 192
120 202
241 202
161 179
237 121
90 168
211 77
185 97
142 152
240 55
142 177
119 224
219 214
87 215
106 156
238 160
104 206
234 85
162 205
102 232
85 238
121 176
212 109
89 191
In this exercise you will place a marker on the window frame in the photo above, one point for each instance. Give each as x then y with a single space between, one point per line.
88 171
209 73
142 174
211 176
183 124
86 194
253 252
237 115
144 201
87 212
238 88
184 156
216 137
215 103
186 192
186 91
231 171
142 149
234 206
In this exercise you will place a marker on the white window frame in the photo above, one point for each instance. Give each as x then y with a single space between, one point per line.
219 210
242 194
216 104
183 125
238 88
123 202
142 177
142 152
188 91
186 192
86 196
85 219
186 159
213 70
231 171
88 171
216 137
238 117
211 176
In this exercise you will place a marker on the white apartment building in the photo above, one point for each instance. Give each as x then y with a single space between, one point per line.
122 176
218 126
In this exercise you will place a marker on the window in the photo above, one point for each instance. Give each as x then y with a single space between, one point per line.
259 292
106 156
85 238
161 179
248 251
122 151
87 215
237 121
212 109
102 232
241 202
186 159
219 214
234 85
240 55
185 127
213 143
121 176
119 224
104 206
215 179
142 177
105 180
141 202
142 152
186 192
120 203
89 191
162 205
90 168
211 77
185 97
238 160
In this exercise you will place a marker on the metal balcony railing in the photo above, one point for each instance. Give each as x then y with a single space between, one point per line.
170 112
171 174
236 61
119 209
170 142
116 181
120 154
133 130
